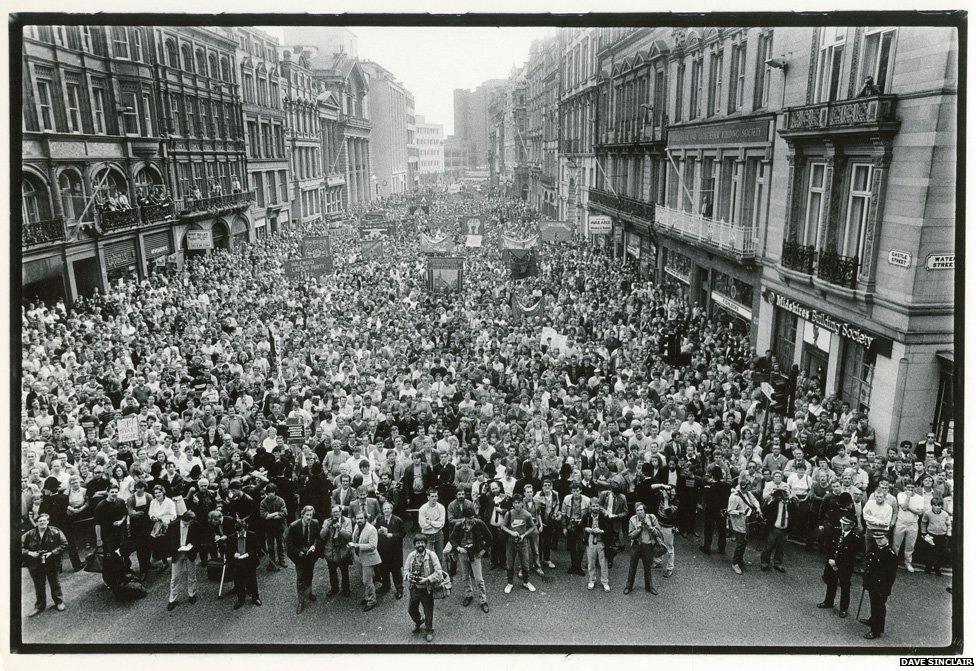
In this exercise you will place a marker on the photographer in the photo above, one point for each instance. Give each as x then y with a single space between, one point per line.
422 570
644 534
744 516
41 549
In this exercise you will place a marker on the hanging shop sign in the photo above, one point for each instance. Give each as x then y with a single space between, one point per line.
941 262
600 225
870 341
899 258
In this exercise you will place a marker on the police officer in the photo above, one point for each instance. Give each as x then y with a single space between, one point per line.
840 566
880 567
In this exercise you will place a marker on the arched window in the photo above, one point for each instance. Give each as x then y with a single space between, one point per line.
201 63
36 201
187 54
225 69
172 54
214 67
113 184
73 196
148 177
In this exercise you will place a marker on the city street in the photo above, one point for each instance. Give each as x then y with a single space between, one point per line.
703 603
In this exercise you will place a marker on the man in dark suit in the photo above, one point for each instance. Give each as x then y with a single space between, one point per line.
367 504
41 549
343 495
242 559
840 566
214 534
390 530
301 545
417 478
880 568
182 545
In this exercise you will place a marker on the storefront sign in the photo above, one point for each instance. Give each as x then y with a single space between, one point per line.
878 344
156 245
600 225
313 267
899 258
733 132
731 305
199 240
941 262
120 255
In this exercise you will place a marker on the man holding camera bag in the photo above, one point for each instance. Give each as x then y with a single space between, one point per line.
422 570
744 516
645 535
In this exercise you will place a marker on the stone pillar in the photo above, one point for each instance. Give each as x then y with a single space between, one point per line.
879 184
789 223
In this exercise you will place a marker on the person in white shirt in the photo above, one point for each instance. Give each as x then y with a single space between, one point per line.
910 508
877 514
690 425
431 517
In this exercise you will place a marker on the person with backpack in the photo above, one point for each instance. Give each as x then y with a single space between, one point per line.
422 571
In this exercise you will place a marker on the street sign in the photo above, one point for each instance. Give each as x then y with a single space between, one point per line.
899 258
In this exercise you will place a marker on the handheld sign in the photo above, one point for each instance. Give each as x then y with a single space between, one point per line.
129 429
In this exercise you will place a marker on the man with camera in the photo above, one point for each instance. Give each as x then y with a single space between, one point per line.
644 534
41 548
471 538
422 570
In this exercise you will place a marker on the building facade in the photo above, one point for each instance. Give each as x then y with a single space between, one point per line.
430 148
131 137
857 281
389 134
576 114
263 91
471 120
304 136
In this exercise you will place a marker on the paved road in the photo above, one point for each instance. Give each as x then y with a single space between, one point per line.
703 603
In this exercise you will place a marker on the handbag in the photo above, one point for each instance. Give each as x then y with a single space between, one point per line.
93 564
442 588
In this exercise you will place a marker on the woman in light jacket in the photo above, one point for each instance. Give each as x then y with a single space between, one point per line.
743 506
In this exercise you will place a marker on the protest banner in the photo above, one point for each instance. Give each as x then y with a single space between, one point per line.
372 249
319 266
296 431
472 241
531 306
523 263
316 246
128 428
445 273
441 245
473 226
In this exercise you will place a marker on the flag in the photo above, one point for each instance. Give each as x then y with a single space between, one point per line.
523 309
445 273
556 231
523 263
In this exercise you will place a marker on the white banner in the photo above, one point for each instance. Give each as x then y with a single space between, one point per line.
472 241
196 240
600 225
129 429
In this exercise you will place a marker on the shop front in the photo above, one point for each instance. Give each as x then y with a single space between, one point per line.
156 247
732 298
120 261
677 273
43 279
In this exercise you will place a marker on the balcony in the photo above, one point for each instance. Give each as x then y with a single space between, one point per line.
798 257
622 204
870 115
154 213
837 269
42 232
732 239
117 220
633 132
190 207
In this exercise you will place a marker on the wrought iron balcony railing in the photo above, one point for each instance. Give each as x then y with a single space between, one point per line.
837 269
110 220
799 257
190 206
632 206
41 232
841 114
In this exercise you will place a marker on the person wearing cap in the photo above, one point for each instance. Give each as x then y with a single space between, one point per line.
41 550
880 569
472 539
839 568
422 571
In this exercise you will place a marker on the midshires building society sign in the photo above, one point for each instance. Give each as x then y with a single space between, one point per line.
870 341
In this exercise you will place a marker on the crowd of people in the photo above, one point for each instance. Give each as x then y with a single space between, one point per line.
286 421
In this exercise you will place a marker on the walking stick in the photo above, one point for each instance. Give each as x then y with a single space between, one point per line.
223 573
860 603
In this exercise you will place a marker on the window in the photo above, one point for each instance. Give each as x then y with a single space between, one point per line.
98 110
878 63
815 194
186 185
829 62
214 66
694 109
857 375
734 191
757 197
187 54
45 111
87 44
687 204
172 54
737 78
852 237
225 69
201 63
763 71
60 37
35 205
147 125
679 94
130 113
191 112
120 42
272 188
72 92
785 339
283 182
252 138
248 87
714 83
218 121
72 195
135 43
205 119
259 187
177 123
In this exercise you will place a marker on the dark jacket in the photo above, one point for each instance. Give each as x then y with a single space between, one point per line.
295 541
480 536
250 546
844 553
715 496
53 543
194 537
880 568
391 549
426 474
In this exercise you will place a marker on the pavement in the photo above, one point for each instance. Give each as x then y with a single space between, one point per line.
703 603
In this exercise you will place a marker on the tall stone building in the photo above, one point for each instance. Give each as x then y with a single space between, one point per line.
430 145
389 134
471 120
